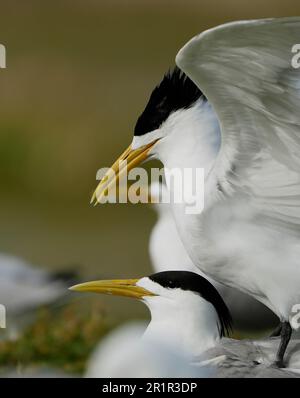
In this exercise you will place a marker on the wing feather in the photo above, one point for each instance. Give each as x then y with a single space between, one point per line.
245 70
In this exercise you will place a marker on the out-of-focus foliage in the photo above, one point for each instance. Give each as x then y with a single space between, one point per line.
62 339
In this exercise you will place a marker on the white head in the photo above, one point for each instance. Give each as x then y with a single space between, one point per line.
186 310
178 126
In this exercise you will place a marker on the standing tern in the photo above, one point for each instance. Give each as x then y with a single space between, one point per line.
189 320
232 109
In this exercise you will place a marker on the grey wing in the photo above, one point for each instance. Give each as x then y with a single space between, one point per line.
250 359
230 359
245 70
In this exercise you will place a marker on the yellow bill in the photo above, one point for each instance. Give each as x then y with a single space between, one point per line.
117 287
127 161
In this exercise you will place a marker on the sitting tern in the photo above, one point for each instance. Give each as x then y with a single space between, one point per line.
189 320
232 109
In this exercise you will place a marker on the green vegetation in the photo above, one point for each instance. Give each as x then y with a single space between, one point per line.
61 339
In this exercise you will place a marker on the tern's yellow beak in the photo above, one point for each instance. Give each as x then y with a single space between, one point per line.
118 287
127 161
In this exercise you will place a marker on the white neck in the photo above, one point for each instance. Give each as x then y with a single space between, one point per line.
192 138
191 143
190 324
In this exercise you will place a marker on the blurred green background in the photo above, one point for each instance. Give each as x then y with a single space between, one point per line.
78 75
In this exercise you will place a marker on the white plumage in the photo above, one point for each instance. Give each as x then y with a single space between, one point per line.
123 353
167 252
248 235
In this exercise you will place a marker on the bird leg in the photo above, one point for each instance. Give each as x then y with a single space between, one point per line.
277 331
285 336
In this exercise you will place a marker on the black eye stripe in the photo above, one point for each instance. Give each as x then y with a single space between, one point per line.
176 91
186 280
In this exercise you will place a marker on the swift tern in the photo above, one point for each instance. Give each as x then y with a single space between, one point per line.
189 320
232 108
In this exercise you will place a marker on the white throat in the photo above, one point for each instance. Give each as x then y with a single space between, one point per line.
192 138
183 320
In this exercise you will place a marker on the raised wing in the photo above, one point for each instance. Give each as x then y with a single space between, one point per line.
245 70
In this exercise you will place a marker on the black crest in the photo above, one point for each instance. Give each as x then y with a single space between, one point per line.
186 280
176 91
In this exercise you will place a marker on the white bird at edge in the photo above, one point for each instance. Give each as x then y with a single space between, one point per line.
232 109
189 320
167 253
24 289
